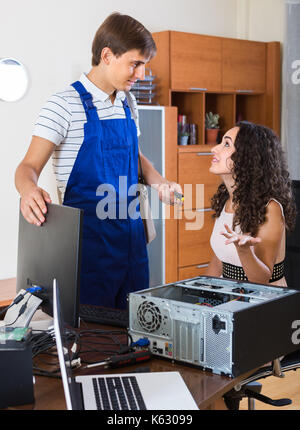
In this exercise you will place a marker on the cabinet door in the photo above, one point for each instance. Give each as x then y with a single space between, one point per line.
195 61
192 271
198 184
243 65
194 247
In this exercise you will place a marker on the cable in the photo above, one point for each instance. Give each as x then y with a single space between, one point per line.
17 300
83 343
21 311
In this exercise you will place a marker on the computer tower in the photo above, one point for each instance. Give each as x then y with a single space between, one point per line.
224 326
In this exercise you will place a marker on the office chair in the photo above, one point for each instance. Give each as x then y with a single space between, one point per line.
251 389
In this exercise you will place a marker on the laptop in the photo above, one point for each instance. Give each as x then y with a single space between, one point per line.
124 391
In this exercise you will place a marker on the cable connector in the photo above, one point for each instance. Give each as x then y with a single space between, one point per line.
34 289
18 299
142 342
76 362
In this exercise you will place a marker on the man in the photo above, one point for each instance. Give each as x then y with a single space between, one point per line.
89 132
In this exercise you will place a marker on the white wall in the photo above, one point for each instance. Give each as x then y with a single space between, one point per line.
53 40
261 20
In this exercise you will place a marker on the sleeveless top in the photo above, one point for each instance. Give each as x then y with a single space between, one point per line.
228 255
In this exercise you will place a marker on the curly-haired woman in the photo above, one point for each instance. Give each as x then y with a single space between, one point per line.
254 206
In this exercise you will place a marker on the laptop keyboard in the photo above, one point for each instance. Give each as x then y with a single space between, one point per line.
118 393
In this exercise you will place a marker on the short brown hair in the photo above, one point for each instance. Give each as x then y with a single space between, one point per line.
122 33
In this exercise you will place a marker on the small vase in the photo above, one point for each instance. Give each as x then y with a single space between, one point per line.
211 136
184 140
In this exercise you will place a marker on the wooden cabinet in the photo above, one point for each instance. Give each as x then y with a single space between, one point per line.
193 174
238 78
195 61
196 223
192 271
194 234
243 66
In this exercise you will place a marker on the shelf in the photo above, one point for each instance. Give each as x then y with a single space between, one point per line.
194 148
191 104
224 105
250 107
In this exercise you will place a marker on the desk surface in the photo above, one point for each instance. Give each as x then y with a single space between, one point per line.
206 388
7 291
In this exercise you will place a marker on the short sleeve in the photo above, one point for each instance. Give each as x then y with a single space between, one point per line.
54 120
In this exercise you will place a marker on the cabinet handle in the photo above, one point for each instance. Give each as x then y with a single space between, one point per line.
198 89
244 91
204 153
202 265
204 210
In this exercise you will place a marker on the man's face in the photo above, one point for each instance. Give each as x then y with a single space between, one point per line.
123 71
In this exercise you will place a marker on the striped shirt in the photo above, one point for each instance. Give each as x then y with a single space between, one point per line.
62 119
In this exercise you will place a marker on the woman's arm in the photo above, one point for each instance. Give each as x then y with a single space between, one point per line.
215 267
258 255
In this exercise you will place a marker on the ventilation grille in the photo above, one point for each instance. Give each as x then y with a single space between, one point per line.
188 342
218 346
149 316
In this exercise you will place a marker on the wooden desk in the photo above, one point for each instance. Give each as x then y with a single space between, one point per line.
7 291
206 388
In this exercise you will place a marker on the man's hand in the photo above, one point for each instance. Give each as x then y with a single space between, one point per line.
33 205
166 192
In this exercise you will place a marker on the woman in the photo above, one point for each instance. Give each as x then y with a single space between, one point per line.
253 206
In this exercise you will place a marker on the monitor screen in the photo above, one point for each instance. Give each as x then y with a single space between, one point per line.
50 251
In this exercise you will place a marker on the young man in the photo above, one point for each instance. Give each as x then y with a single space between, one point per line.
89 131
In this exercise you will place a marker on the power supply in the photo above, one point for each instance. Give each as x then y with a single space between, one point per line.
225 326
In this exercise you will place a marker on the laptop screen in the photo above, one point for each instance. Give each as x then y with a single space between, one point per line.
62 348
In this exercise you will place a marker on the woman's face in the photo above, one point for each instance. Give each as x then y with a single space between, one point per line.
221 163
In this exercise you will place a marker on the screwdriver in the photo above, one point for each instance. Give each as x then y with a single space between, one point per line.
124 359
179 196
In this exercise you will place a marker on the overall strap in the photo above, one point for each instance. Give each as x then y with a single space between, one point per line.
87 101
129 103
127 108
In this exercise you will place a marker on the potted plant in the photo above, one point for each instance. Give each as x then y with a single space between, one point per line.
211 128
184 137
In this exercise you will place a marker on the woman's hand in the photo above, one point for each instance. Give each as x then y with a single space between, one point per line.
241 241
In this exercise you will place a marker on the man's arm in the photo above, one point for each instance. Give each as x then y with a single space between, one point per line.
154 179
33 198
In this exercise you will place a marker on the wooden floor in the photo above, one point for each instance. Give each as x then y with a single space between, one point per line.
278 388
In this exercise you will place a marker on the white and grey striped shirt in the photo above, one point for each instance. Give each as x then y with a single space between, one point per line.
62 120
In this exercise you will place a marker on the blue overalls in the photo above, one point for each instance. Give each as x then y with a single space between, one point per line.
114 254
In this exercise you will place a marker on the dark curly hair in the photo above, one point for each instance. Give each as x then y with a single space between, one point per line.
260 173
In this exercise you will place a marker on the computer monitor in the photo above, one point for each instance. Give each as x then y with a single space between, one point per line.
52 250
